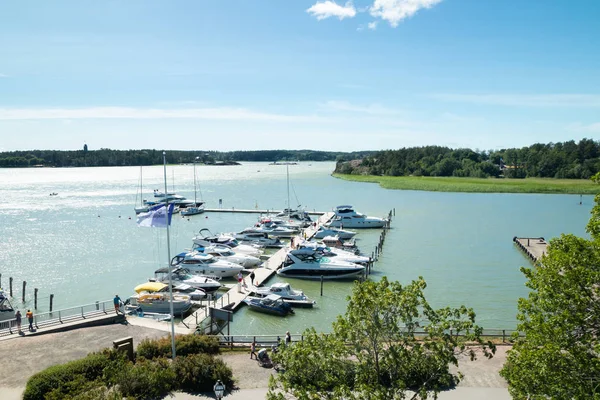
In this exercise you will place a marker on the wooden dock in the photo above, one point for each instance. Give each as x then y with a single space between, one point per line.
255 211
233 299
534 248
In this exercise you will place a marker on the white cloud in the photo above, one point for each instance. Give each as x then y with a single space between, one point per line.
325 9
219 113
372 25
585 128
3 75
395 11
373 109
524 100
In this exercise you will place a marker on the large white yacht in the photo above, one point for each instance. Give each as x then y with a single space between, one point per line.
227 254
346 217
206 238
309 264
335 254
204 264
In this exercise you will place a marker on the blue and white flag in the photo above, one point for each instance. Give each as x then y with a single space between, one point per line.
156 217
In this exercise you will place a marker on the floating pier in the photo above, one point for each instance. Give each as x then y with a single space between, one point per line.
534 248
256 211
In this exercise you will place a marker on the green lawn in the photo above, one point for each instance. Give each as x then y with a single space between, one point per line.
476 185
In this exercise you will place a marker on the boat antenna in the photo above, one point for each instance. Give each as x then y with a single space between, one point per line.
169 260
289 206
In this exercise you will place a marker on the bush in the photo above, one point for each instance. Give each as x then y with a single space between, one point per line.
147 379
184 345
199 372
59 377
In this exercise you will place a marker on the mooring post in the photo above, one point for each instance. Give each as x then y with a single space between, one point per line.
527 242
35 290
394 211
321 285
51 300
0 280
10 286
23 295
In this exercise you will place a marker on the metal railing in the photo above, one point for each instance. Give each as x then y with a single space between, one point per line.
268 340
58 317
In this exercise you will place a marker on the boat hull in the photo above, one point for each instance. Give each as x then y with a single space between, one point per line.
316 273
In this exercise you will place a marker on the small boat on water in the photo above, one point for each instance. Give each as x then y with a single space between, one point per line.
158 302
250 236
295 298
205 264
335 253
272 304
183 276
153 286
196 208
336 242
206 238
226 254
6 309
346 217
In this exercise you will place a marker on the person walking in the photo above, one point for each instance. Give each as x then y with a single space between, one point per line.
18 321
240 279
288 338
253 349
117 303
29 316
252 276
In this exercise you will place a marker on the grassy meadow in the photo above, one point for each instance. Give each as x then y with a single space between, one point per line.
479 185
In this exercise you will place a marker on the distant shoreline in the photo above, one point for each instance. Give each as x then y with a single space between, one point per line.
479 185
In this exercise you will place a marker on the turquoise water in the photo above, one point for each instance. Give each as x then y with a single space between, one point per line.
83 245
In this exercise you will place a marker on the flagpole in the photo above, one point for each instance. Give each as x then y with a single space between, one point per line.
169 259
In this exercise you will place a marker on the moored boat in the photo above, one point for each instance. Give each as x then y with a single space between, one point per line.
272 304
346 217
296 298
6 309
309 264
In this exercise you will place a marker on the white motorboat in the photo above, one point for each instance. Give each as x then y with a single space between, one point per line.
227 254
183 276
249 235
279 223
324 231
153 301
6 309
335 254
300 217
336 242
206 238
272 230
296 298
309 264
346 217
204 264
152 286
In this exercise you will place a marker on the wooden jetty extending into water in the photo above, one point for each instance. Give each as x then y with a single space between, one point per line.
534 248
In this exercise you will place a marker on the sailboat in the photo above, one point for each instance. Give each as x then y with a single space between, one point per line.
143 207
197 208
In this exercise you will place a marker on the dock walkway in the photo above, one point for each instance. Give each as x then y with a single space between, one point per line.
534 248
255 211
233 299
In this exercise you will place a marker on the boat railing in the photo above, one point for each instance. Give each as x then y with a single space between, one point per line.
58 317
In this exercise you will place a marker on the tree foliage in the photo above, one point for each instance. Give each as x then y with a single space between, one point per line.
568 160
389 341
559 355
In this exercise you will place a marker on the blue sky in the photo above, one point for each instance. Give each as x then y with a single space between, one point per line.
295 74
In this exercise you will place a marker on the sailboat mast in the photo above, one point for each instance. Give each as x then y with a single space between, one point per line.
195 202
141 190
287 168
169 259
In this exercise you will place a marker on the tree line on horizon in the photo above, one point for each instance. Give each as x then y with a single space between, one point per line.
118 158
567 160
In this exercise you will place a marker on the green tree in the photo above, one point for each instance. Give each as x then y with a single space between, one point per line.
389 342
559 355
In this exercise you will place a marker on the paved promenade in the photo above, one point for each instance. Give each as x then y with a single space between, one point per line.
24 356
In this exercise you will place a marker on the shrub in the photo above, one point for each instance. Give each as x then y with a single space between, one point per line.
147 379
184 345
55 378
199 372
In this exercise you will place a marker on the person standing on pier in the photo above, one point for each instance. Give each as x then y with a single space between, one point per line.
117 303
252 278
288 338
18 321
29 316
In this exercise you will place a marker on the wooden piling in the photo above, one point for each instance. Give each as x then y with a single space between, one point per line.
321 285
23 295
51 301
35 291
0 281
10 286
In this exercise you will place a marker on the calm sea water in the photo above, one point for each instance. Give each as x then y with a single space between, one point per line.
83 245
